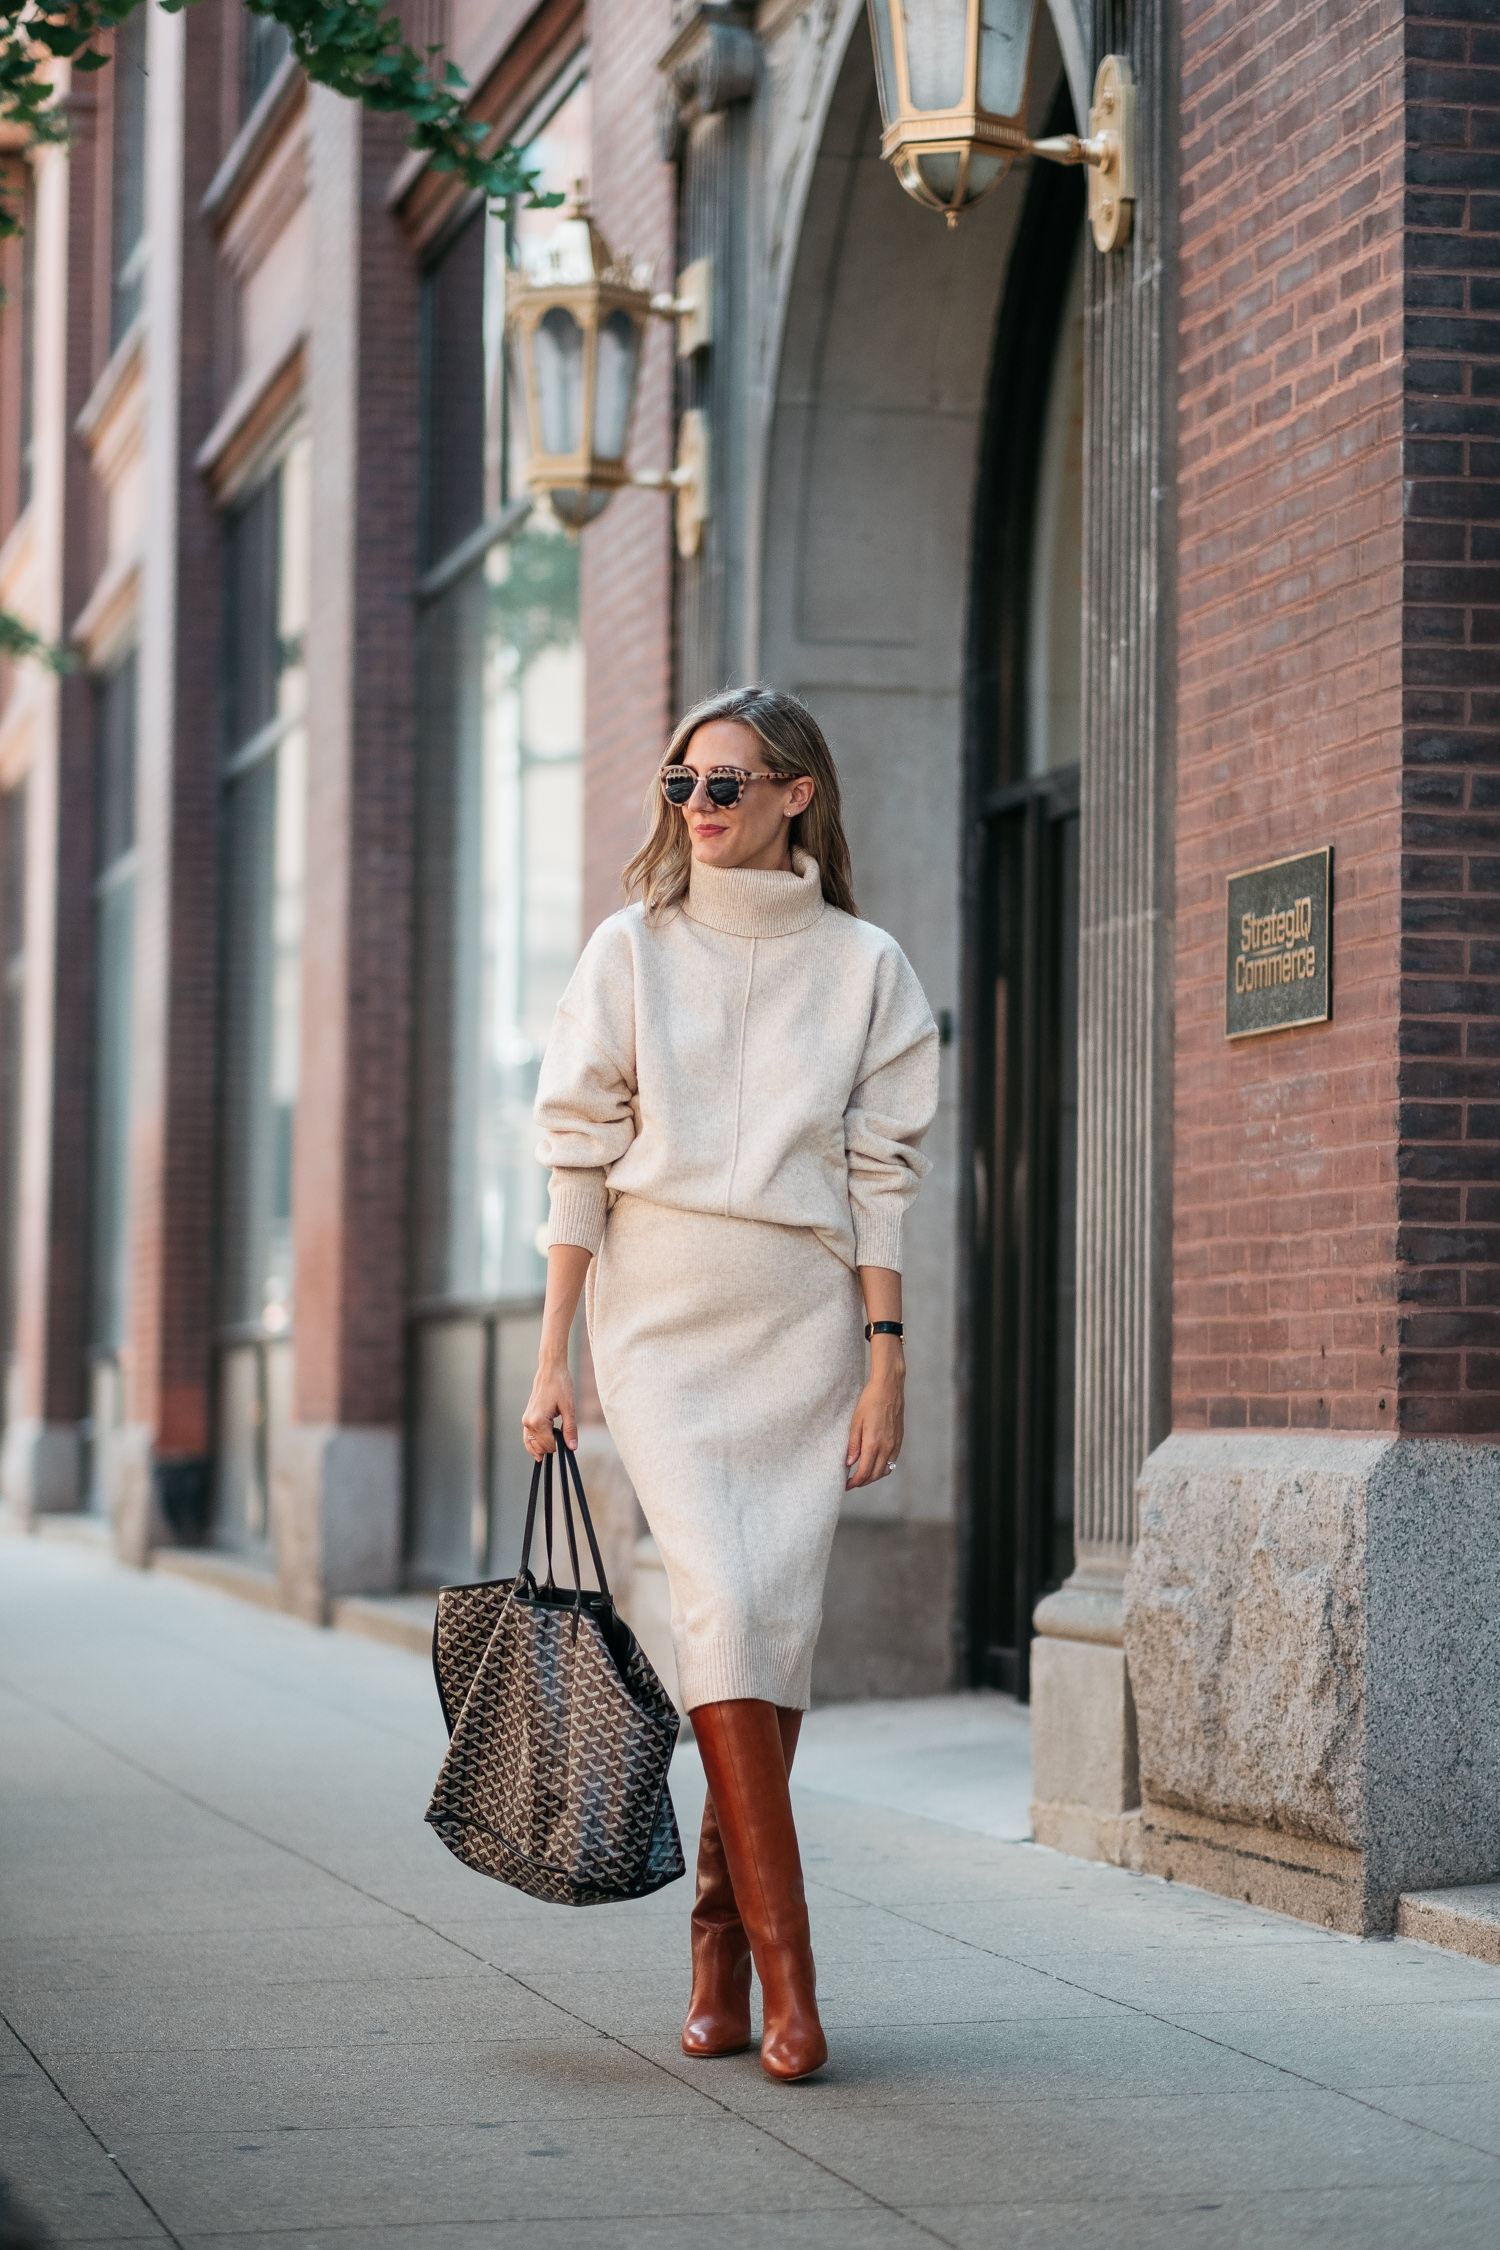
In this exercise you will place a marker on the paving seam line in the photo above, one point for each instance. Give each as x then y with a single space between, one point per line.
305 1859
66 2098
1226 2046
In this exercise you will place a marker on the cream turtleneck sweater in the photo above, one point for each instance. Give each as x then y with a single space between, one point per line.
756 1053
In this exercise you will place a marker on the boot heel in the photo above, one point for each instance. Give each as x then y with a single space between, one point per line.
718 2017
793 2045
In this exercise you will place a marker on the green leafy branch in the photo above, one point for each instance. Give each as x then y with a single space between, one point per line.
19 645
352 46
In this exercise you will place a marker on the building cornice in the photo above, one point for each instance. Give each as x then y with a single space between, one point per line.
17 555
711 62
107 616
261 408
281 101
267 198
115 397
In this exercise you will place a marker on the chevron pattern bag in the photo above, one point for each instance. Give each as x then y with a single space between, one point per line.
560 1732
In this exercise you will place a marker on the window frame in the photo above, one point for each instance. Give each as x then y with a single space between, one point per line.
127 261
493 1330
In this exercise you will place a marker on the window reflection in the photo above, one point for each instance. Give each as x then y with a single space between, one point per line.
503 790
268 555
12 1014
127 83
114 941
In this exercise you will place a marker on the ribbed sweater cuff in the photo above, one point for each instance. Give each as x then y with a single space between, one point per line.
877 1238
579 1206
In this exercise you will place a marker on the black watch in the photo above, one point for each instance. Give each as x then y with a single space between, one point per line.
884 1328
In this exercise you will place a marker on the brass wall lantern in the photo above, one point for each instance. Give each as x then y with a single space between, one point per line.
577 318
953 78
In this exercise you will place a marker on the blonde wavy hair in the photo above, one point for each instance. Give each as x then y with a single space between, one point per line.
793 744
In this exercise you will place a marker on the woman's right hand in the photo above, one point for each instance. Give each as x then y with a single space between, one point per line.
552 1393
551 1401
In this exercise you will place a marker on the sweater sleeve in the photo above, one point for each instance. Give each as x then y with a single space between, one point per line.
585 1098
890 1109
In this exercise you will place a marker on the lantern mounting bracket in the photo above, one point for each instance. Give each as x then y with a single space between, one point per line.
691 305
689 480
1108 151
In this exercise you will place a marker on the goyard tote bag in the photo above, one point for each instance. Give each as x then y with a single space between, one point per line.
560 1733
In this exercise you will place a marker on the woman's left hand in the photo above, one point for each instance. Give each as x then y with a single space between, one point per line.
878 1426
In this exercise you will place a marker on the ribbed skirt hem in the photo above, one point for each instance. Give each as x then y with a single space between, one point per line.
728 1668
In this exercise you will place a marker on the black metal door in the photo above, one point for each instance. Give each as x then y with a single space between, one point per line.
1024 1219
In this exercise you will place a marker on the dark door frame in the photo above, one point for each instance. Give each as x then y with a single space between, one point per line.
996 790
1016 1250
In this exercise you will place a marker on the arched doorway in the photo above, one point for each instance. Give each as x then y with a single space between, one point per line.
878 451
1021 994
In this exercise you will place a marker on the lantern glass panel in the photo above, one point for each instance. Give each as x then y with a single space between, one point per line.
937 39
938 169
885 56
558 346
984 170
614 384
1004 43
576 505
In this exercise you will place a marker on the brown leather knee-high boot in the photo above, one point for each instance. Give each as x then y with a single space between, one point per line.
742 1756
718 2017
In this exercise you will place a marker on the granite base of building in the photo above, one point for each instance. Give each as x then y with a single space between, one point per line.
135 1520
39 1468
1085 1788
335 1515
1285 1873
1309 1629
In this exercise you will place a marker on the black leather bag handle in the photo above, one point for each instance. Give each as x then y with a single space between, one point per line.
541 1481
568 1460
536 1485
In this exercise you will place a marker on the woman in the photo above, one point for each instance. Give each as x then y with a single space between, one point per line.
738 1081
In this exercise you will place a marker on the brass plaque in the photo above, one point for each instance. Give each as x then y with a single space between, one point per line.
1279 926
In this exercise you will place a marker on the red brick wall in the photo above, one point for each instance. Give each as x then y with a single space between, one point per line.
627 554
1449 1192
1289 732
354 1126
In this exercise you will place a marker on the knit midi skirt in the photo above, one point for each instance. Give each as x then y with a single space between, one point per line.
729 1357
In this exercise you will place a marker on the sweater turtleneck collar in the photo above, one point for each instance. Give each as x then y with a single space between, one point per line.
756 902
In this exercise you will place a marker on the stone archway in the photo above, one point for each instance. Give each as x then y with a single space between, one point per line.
863 598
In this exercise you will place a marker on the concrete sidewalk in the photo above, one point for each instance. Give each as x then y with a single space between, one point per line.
248 1999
